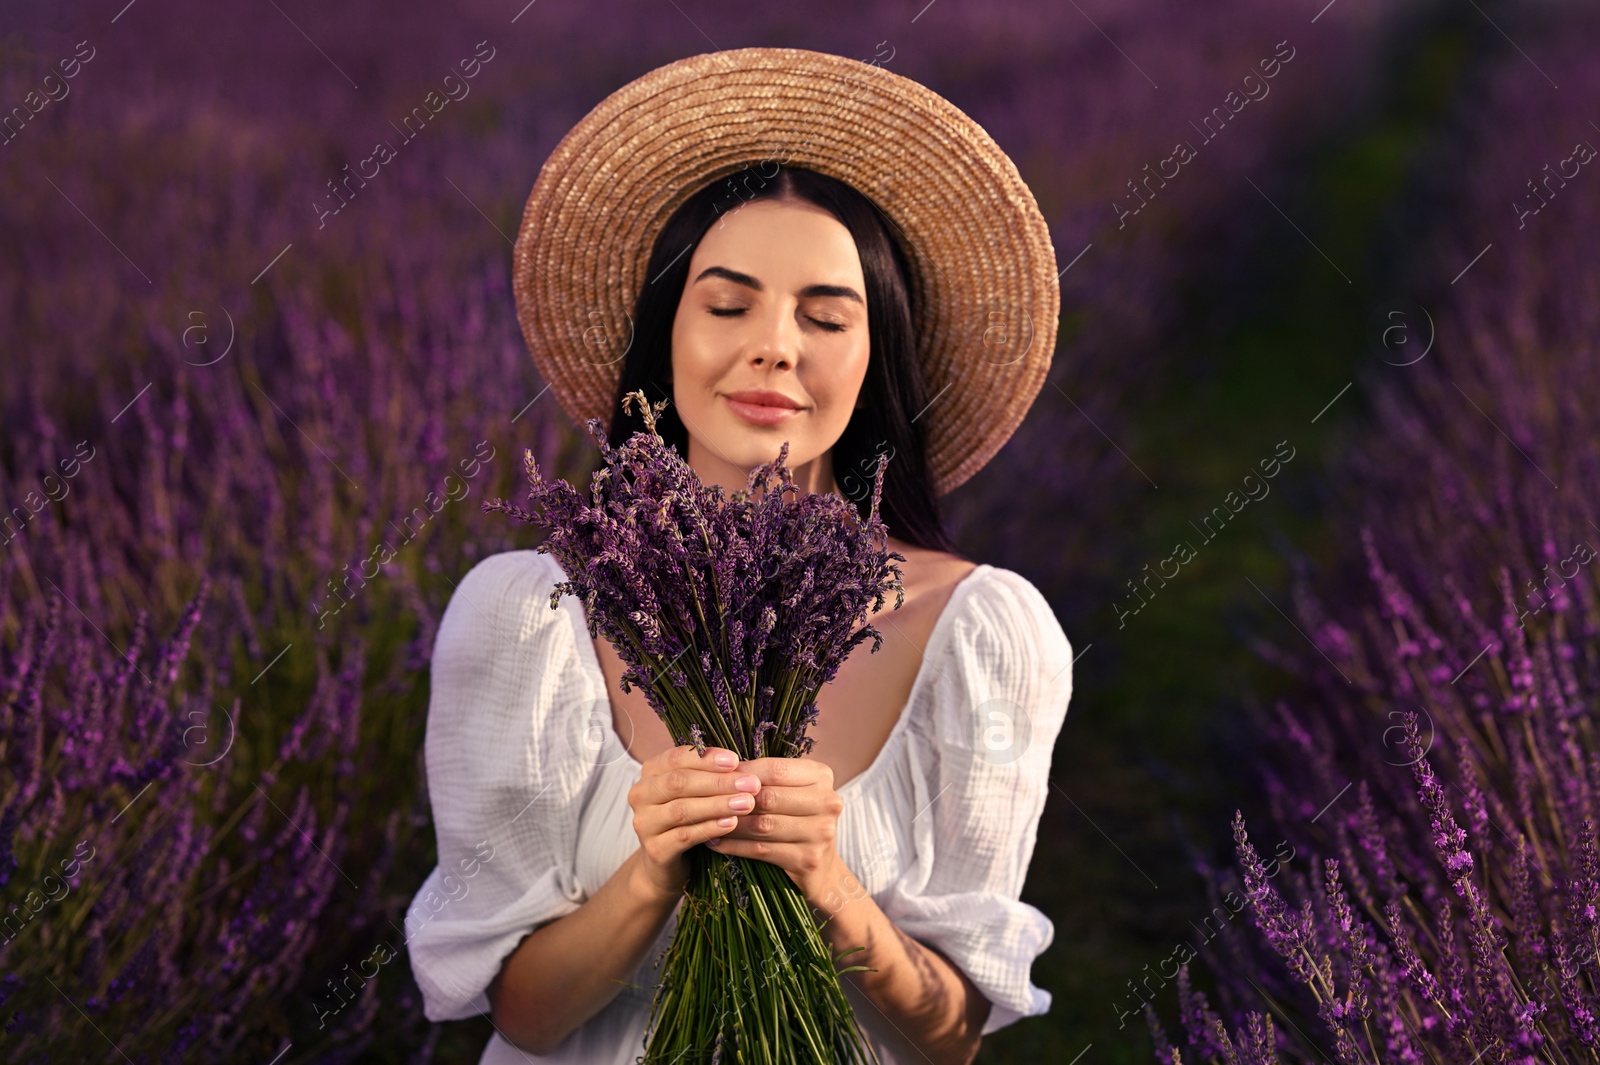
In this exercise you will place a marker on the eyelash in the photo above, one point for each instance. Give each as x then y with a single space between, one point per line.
728 312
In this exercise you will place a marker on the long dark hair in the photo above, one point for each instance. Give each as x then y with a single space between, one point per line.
894 392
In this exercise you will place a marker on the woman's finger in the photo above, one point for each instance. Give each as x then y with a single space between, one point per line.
674 840
782 828
778 853
677 776
789 772
713 760
811 800
659 817
688 785
797 859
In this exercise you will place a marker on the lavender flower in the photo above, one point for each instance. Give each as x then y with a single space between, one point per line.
731 610
1459 921
377 353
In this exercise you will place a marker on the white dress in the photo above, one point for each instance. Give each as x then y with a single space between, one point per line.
528 782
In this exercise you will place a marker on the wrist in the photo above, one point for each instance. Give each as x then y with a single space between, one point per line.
831 886
644 888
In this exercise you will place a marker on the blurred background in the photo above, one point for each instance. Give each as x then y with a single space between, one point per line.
1345 358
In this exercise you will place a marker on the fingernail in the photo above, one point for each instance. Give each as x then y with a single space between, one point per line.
726 759
747 783
714 841
726 822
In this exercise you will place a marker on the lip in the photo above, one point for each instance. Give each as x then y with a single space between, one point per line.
762 407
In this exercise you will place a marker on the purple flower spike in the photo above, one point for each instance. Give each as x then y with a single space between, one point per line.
731 610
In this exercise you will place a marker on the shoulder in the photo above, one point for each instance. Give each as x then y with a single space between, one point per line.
1004 611
988 611
521 568
499 624
500 682
1007 657
503 587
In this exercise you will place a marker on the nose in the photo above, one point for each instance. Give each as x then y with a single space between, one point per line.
777 340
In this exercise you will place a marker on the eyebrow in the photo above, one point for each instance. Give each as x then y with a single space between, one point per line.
749 282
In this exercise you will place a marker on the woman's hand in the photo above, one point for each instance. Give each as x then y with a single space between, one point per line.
682 799
794 823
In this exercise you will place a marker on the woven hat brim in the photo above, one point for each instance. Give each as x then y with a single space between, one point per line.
983 268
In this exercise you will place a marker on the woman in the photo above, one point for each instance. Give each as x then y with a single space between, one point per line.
777 303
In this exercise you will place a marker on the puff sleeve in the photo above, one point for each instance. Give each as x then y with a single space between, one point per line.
504 788
983 775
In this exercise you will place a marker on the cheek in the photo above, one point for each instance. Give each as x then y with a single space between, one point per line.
846 382
863 358
688 365
837 393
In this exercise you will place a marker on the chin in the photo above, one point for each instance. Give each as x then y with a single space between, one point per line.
759 452
750 450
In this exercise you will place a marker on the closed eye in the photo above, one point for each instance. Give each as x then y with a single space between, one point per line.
728 312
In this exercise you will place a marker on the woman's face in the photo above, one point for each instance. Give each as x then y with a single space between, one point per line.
775 302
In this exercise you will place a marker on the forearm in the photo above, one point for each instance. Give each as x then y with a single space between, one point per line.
925 997
568 970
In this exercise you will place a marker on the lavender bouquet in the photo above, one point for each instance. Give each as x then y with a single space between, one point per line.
731 611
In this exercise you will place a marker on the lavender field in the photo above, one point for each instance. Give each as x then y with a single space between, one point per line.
1435 770
250 417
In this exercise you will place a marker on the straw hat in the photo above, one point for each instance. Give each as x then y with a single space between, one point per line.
984 286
